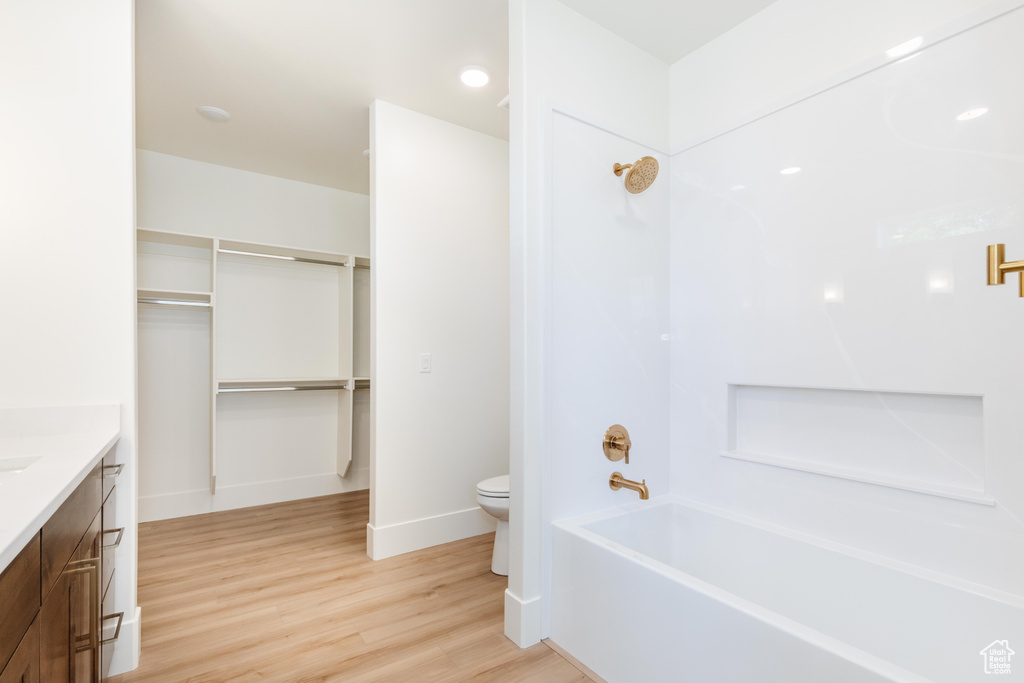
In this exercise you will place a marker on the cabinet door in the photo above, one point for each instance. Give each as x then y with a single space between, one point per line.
19 599
55 633
24 665
85 605
69 618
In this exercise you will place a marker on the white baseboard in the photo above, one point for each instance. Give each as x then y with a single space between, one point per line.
186 503
522 620
129 645
416 534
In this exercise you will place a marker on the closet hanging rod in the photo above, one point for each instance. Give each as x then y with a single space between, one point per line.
296 259
326 387
243 390
174 302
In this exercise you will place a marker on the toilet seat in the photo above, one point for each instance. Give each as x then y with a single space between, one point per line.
495 487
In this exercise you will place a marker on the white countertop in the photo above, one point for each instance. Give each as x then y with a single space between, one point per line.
65 444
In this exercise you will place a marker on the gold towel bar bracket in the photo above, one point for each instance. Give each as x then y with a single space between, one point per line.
998 267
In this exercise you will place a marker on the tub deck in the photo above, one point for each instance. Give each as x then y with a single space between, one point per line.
674 591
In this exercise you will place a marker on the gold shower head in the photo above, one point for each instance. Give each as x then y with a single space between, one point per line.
641 174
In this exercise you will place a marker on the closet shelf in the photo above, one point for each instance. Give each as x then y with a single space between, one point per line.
250 249
257 249
174 298
178 294
176 238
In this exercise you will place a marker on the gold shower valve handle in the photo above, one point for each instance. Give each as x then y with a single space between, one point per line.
616 443
998 267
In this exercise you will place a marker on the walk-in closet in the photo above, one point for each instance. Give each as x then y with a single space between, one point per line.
254 365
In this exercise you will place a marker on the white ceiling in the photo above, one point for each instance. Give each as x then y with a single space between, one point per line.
668 29
298 77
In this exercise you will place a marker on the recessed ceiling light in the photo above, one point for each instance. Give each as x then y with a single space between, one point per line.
214 114
972 114
737 188
905 48
790 171
474 76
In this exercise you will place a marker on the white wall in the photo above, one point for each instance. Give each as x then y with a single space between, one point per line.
67 229
826 279
560 62
786 51
440 286
270 447
183 195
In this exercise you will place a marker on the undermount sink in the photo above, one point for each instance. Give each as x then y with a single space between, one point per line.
12 467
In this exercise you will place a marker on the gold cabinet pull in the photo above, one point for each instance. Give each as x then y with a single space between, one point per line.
91 567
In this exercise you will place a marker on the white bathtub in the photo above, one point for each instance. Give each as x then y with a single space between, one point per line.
669 591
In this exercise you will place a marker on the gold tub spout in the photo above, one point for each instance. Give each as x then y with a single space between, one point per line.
617 481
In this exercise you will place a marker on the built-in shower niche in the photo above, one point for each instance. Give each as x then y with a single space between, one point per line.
929 443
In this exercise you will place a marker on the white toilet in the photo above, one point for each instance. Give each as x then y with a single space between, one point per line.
492 495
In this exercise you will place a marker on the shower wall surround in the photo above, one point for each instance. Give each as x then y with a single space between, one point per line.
838 368
609 323
790 48
861 275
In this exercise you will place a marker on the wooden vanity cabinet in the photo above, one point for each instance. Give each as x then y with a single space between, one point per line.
57 592
24 665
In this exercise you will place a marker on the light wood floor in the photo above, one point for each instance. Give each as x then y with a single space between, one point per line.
286 593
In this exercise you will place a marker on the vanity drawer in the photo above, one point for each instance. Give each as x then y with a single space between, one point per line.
111 471
64 530
19 588
111 537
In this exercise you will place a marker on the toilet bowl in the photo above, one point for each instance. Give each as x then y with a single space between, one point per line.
492 496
